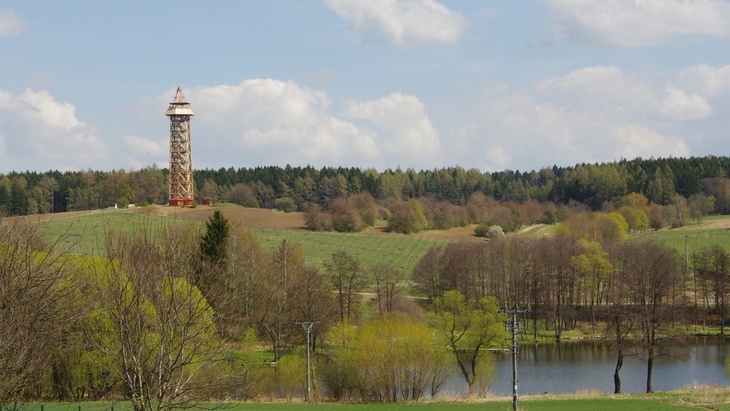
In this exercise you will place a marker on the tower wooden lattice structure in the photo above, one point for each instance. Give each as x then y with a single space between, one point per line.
181 166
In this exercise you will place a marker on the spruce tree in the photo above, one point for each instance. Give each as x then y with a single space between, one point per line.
212 262
213 242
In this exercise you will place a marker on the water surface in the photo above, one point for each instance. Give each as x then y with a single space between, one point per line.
588 366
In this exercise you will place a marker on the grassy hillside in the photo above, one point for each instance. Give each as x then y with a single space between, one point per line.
84 233
400 251
693 237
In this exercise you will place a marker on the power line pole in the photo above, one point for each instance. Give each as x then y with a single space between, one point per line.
307 326
514 326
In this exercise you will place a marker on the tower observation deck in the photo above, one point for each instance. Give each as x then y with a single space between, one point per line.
181 166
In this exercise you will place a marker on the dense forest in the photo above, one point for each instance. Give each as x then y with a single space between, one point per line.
593 185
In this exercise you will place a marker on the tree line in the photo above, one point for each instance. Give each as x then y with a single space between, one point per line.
297 188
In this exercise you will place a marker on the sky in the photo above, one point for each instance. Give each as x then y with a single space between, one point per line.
423 84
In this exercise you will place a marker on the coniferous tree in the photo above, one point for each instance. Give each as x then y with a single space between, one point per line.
213 242
212 262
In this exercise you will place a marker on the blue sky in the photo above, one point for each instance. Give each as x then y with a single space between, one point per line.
492 85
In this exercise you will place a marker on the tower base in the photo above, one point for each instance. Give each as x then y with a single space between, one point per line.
181 202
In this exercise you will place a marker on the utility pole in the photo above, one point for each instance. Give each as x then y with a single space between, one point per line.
307 326
514 326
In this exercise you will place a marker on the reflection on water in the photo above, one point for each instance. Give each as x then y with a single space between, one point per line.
588 366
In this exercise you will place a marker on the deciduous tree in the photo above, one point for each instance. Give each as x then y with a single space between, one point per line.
652 272
347 278
154 328
387 280
34 311
468 328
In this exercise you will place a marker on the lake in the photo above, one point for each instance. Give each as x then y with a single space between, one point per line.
587 366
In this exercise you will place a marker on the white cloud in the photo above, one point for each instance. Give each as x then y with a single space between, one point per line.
268 121
594 114
403 128
401 22
707 80
596 85
41 106
637 141
40 130
287 120
631 23
144 146
680 105
11 24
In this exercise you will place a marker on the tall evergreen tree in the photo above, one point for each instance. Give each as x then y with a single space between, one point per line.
213 242
211 278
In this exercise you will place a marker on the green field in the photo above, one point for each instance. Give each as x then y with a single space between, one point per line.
700 399
688 241
85 234
399 251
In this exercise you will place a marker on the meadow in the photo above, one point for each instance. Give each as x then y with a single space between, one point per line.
712 398
85 233
691 238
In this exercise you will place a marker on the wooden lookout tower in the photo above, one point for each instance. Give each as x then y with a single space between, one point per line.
181 166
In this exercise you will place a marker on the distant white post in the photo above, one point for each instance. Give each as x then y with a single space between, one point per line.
514 326
307 326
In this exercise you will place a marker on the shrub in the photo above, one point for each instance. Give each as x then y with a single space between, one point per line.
317 219
285 204
407 217
345 217
482 230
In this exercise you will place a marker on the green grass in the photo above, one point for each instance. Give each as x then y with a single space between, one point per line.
86 235
676 401
687 240
400 251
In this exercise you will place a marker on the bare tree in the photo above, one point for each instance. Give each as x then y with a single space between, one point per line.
275 315
620 317
154 328
387 280
33 309
312 299
248 267
652 271
713 263
344 273
426 272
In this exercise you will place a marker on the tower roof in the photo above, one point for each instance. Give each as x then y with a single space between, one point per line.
179 105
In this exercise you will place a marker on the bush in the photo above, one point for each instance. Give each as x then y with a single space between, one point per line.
285 204
407 217
488 231
391 359
345 217
317 219
340 375
291 373
482 230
